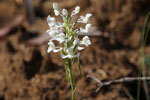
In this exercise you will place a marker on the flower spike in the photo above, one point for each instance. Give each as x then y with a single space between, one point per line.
70 44
70 41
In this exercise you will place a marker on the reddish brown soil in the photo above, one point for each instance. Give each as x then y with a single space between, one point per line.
30 73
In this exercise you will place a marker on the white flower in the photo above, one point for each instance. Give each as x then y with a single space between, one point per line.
70 54
53 31
55 27
60 37
85 41
57 12
51 21
86 30
65 12
76 42
52 47
76 11
84 19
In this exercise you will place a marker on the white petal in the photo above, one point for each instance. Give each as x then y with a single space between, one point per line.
82 30
80 48
54 30
69 55
67 40
76 41
84 19
88 15
51 33
60 37
49 50
57 12
64 56
76 11
69 51
57 50
51 46
51 21
88 26
86 30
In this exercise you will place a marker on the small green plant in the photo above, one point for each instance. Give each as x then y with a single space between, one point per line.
67 36
145 32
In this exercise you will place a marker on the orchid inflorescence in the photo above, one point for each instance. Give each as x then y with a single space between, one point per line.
67 36
69 40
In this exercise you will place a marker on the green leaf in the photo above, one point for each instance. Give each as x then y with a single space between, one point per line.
145 32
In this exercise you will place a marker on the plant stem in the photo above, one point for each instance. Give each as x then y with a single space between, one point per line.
71 77
68 67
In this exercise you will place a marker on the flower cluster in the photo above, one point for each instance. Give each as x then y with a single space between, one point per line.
65 33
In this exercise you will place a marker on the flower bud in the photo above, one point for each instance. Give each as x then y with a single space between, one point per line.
55 6
65 12
77 9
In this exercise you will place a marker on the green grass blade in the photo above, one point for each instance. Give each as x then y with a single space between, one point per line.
143 43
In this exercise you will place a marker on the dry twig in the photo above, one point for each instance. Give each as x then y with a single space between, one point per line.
5 30
121 80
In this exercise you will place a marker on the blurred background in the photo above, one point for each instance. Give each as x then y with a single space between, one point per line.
28 72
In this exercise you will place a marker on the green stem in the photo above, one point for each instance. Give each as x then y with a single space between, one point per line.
144 39
72 81
72 85
68 65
